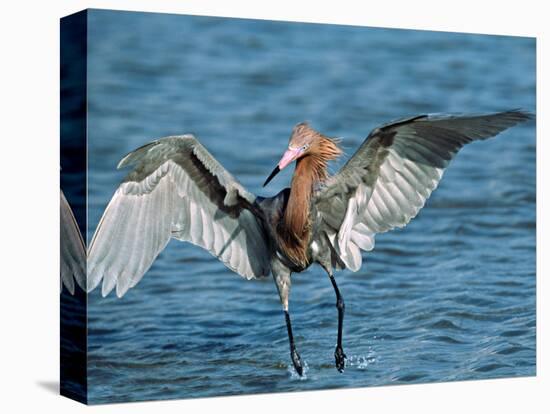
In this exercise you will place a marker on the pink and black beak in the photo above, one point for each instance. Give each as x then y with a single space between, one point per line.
290 155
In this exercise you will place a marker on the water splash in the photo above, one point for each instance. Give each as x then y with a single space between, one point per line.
361 361
294 375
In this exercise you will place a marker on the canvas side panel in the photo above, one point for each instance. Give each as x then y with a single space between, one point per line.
73 74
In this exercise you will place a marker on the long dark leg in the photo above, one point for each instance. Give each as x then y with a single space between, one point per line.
340 305
281 275
296 360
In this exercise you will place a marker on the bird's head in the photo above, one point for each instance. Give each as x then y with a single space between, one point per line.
303 141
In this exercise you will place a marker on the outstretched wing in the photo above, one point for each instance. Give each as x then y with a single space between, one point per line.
72 249
392 174
177 189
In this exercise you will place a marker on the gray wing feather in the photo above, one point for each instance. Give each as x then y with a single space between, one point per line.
176 190
72 249
388 180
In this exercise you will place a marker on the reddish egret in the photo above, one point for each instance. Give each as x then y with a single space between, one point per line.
178 190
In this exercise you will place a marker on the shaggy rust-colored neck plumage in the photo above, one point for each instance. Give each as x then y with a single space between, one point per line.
295 229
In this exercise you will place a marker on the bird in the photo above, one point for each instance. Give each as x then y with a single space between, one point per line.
72 249
178 190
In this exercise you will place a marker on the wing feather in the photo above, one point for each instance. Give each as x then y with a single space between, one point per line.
72 250
388 180
176 190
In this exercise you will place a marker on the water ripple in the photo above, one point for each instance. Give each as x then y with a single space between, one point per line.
449 297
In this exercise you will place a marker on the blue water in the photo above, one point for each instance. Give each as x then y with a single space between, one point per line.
450 297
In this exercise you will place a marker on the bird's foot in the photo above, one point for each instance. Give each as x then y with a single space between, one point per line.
340 358
297 361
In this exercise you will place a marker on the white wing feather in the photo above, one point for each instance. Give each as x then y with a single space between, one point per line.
390 177
172 200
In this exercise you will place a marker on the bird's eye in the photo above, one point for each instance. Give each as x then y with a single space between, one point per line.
305 147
